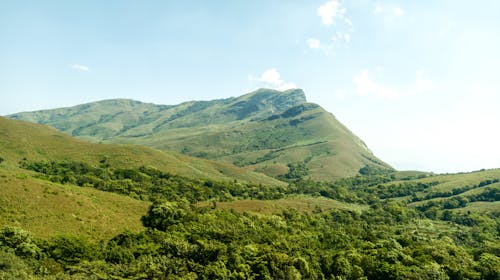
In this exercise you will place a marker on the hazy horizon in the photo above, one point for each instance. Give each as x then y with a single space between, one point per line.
416 82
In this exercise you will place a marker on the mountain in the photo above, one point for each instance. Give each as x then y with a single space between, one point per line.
273 132
19 139
414 225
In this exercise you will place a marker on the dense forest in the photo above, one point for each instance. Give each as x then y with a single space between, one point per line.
183 240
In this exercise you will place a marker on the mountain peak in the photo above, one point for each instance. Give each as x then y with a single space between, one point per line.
270 100
295 93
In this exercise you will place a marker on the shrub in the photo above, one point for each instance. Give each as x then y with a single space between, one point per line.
162 215
19 242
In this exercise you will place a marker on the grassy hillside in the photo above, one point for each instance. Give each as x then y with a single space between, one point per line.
300 203
47 209
463 189
20 139
265 130
477 191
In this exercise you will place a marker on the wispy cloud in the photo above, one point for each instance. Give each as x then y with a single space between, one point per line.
366 85
340 94
341 39
333 13
272 79
80 67
397 11
330 11
378 8
422 84
389 12
317 45
313 43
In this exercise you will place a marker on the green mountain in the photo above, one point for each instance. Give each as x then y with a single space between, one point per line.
19 139
273 132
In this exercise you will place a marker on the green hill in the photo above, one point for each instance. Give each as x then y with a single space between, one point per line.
266 130
19 139
432 194
475 191
47 209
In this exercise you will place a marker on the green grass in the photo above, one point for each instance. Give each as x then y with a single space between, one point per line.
480 207
47 209
300 203
36 142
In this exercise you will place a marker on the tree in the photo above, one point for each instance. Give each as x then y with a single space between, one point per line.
489 266
296 171
70 250
19 242
162 215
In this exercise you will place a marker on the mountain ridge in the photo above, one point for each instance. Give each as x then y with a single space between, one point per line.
265 130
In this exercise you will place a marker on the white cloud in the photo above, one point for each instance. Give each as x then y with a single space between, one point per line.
482 90
365 85
422 84
378 8
339 39
286 86
330 11
313 43
80 67
340 94
347 37
390 13
272 78
398 12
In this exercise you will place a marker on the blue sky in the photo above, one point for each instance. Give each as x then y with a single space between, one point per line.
416 80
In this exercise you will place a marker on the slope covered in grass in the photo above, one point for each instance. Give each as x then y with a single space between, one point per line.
265 130
19 139
477 191
47 209
299 203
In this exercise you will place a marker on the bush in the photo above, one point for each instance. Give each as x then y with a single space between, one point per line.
162 215
13 267
19 242
70 250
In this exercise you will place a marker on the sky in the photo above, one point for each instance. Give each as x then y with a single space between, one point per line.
416 80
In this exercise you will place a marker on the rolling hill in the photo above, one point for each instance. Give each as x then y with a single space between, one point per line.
19 139
476 192
48 209
266 131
